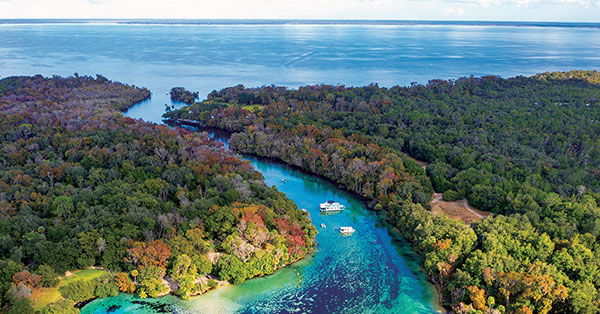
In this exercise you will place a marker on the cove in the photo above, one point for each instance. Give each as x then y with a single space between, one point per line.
372 271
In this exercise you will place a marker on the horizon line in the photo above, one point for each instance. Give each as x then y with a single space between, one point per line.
341 21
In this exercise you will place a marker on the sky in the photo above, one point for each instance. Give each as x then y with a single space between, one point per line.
484 10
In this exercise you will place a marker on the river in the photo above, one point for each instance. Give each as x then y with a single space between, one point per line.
372 271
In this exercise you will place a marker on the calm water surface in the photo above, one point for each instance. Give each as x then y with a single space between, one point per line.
208 57
369 272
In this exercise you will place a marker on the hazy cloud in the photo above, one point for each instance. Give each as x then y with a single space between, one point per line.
526 3
452 12
523 10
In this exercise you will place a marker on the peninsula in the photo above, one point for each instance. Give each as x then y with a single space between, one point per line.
135 207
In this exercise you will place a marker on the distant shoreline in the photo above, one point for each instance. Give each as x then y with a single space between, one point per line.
299 22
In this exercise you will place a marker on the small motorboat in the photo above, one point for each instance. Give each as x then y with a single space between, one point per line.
347 230
323 226
283 180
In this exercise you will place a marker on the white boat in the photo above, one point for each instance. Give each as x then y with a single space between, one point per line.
283 180
331 206
323 226
347 230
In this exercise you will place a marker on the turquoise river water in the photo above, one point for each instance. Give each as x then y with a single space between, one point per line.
369 272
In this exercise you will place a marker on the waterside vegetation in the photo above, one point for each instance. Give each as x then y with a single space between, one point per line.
526 149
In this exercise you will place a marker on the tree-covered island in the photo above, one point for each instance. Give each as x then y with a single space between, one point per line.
180 94
526 149
93 203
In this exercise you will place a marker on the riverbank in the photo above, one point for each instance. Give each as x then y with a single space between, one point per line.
210 301
398 233
44 296
373 270
223 137
41 297
358 139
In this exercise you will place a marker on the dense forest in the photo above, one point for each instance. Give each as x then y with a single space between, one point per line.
525 148
158 209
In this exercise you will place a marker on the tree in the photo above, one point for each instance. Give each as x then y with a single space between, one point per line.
62 206
73 167
524 310
8 269
187 286
451 196
106 286
89 244
21 306
203 265
183 267
539 290
26 278
186 273
135 273
583 298
78 291
124 283
478 298
151 282
231 268
143 255
60 307
49 278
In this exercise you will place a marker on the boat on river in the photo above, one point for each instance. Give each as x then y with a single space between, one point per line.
331 206
323 226
347 230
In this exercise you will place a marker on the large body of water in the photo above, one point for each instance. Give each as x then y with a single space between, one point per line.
370 272
204 57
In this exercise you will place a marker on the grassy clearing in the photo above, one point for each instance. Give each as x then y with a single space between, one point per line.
44 296
252 107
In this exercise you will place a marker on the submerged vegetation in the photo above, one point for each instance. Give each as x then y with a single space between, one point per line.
526 149
157 209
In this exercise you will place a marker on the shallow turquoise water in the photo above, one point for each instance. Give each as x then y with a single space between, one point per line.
368 272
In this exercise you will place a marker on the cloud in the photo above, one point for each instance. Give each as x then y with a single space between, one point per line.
525 3
525 10
452 12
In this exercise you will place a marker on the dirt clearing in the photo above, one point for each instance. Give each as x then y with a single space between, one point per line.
459 210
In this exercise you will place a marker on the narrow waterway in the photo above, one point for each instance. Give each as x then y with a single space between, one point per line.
372 271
